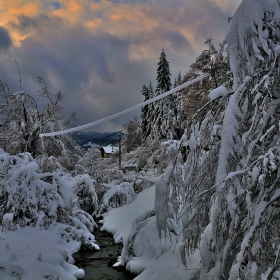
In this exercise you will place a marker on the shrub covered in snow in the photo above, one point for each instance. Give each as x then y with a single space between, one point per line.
89 163
40 200
116 196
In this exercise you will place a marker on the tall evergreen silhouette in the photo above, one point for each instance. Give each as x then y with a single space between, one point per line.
163 112
146 112
163 75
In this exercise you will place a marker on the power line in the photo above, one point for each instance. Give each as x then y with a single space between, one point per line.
74 129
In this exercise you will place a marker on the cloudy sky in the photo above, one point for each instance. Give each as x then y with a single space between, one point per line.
99 53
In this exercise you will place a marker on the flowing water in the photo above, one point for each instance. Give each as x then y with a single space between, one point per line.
98 265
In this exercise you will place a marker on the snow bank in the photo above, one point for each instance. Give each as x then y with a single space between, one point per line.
153 258
119 220
31 254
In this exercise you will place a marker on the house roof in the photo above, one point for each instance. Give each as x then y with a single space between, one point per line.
110 149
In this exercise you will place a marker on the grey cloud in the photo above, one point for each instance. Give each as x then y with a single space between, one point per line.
202 17
177 40
212 22
41 25
73 51
77 58
5 39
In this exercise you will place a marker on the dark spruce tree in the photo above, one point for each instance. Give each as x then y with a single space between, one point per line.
147 113
167 113
161 117
181 117
163 75
144 114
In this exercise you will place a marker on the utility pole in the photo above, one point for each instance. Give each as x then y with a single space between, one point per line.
120 151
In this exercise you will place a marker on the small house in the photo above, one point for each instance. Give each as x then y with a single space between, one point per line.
108 151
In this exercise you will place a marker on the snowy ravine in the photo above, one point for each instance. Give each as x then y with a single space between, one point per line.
213 211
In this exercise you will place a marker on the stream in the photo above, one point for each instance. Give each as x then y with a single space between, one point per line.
98 265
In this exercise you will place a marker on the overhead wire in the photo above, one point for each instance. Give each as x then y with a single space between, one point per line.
78 128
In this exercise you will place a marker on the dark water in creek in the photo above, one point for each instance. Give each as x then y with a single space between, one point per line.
98 265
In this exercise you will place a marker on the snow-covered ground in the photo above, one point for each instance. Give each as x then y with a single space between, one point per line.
32 254
135 225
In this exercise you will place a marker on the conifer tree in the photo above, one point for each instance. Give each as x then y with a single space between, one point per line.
151 107
163 116
179 79
163 75
181 117
144 114
151 93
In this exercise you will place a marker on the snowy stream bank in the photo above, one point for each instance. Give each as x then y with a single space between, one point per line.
98 265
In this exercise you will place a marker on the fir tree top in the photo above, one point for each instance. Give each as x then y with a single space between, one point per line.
145 92
163 75
151 90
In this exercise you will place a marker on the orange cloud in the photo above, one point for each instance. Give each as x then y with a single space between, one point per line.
12 9
118 19
72 10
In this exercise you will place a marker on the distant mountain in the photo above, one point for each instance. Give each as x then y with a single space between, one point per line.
99 138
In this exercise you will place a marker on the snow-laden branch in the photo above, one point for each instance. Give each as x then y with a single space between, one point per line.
74 129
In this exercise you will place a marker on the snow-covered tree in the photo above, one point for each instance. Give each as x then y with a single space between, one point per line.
163 75
227 188
216 63
89 162
164 112
132 136
147 112
22 122
149 116
40 200
180 120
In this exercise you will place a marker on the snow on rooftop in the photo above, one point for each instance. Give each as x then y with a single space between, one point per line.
110 149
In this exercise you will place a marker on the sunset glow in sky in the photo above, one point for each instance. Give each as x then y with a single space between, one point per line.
100 53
